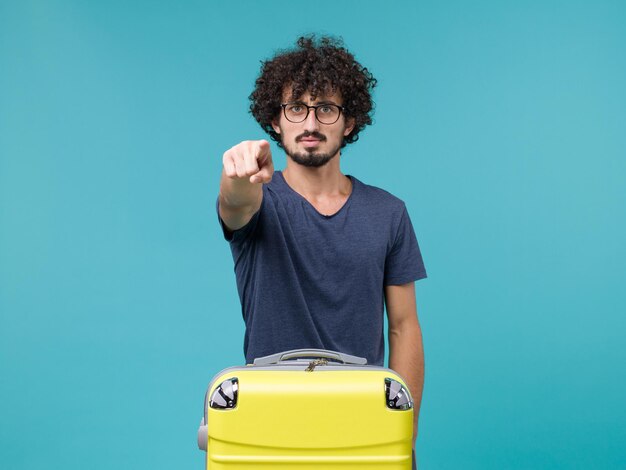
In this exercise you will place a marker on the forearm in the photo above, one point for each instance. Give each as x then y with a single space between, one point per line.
406 356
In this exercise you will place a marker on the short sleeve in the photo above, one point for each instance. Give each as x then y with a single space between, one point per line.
242 233
404 263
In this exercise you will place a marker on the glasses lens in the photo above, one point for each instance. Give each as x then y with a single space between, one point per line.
327 114
296 112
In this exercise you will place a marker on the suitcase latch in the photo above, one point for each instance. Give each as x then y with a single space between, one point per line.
316 362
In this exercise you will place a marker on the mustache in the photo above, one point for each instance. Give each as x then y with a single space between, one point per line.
315 135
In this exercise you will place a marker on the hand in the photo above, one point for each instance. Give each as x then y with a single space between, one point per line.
251 159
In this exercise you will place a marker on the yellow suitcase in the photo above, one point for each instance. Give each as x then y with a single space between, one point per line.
306 408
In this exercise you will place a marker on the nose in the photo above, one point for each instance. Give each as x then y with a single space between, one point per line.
311 123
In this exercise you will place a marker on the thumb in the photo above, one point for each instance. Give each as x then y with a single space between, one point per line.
264 175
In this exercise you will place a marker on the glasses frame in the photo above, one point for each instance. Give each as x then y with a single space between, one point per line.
308 110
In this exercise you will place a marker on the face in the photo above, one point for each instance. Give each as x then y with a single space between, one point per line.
310 142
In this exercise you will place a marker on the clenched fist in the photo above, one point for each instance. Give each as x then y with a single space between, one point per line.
250 159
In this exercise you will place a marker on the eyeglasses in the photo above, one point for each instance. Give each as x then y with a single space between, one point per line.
324 113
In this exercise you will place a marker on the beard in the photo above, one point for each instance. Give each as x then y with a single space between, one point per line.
310 158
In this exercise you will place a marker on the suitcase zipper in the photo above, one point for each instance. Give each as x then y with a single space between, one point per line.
314 363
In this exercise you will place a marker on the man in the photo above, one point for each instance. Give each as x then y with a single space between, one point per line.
318 253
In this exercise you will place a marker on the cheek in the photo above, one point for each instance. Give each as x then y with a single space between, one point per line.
288 133
342 132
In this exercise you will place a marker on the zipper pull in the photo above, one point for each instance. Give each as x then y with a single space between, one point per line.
316 362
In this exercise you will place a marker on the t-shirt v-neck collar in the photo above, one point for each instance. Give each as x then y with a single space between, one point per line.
283 182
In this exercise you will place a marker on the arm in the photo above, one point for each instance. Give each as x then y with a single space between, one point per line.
406 353
246 167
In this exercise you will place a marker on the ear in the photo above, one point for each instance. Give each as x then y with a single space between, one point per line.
349 126
275 126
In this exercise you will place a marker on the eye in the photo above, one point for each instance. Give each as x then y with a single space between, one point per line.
296 108
326 109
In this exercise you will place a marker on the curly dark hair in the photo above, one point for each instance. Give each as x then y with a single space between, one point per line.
320 67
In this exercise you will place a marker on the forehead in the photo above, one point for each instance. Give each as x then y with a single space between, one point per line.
333 97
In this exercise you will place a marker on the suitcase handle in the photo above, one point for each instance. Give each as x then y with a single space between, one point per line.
301 353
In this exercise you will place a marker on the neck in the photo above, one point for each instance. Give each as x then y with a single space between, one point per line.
312 182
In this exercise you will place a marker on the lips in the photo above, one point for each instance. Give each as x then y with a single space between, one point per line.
310 139
310 142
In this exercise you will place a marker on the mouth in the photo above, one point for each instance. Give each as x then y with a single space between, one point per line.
310 142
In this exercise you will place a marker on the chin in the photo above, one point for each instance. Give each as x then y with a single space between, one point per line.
311 160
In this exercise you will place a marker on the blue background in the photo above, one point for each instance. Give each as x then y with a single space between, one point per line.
501 124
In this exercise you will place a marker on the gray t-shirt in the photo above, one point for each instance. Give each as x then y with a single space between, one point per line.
306 280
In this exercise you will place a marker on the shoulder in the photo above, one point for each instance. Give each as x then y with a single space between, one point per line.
378 198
